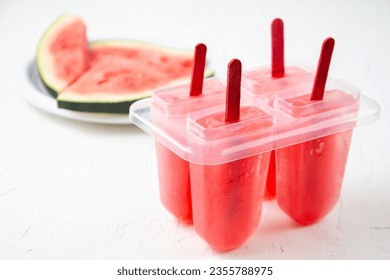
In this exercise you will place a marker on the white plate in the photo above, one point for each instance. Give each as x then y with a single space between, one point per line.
36 94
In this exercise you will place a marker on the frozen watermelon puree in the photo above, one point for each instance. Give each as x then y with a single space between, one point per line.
169 110
70 51
174 183
227 198
309 175
117 74
270 186
261 84
173 171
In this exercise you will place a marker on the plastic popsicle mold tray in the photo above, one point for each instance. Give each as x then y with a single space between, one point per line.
285 122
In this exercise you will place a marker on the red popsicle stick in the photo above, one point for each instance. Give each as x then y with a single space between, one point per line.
198 70
233 91
277 48
322 69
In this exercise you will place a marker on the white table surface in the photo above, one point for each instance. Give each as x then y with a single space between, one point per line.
74 190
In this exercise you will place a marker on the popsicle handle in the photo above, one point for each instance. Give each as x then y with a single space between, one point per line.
233 91
277 39
322 69
198 70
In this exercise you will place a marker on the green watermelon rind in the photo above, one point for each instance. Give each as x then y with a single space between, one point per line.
100 103
52 85
112 103
98 107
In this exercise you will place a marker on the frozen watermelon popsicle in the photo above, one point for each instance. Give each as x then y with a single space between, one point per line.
310 174
262 84
169 108
227 197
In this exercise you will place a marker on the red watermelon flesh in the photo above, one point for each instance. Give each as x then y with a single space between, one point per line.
120 70
63 53
124 71
70 50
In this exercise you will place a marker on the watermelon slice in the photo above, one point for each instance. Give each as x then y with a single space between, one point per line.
105 76
63 53
125 71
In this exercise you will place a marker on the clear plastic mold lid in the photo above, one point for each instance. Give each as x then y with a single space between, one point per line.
176 100
290 119
259 83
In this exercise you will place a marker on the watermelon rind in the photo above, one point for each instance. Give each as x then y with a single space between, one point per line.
101 106
99 102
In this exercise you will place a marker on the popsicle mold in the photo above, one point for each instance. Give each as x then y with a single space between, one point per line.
169 108
262 84
284 131
309 174
228 197
227 162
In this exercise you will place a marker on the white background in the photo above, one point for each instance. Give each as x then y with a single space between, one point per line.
72 190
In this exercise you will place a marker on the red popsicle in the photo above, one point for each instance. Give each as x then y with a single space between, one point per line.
227 198
310 174
173 171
